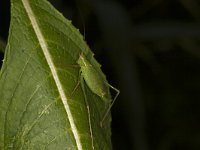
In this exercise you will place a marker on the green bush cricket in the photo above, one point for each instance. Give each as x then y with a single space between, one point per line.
96 82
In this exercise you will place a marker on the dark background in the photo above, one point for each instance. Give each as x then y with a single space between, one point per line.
150 50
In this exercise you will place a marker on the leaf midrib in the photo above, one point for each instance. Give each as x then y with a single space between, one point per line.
52 67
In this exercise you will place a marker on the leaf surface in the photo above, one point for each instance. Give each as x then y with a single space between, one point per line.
40 105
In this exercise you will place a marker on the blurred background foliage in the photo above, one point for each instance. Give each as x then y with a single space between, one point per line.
150 50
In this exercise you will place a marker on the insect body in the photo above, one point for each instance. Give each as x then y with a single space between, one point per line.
96 82
93 79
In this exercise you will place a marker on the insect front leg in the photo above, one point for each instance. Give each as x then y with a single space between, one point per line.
75 88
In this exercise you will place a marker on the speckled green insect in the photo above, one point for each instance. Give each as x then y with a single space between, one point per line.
97 83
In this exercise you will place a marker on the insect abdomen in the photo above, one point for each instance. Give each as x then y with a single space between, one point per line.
93 79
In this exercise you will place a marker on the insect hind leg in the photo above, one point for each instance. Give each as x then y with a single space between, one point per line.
110 106
88 110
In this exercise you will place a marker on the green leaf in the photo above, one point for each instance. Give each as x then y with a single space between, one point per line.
40 108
